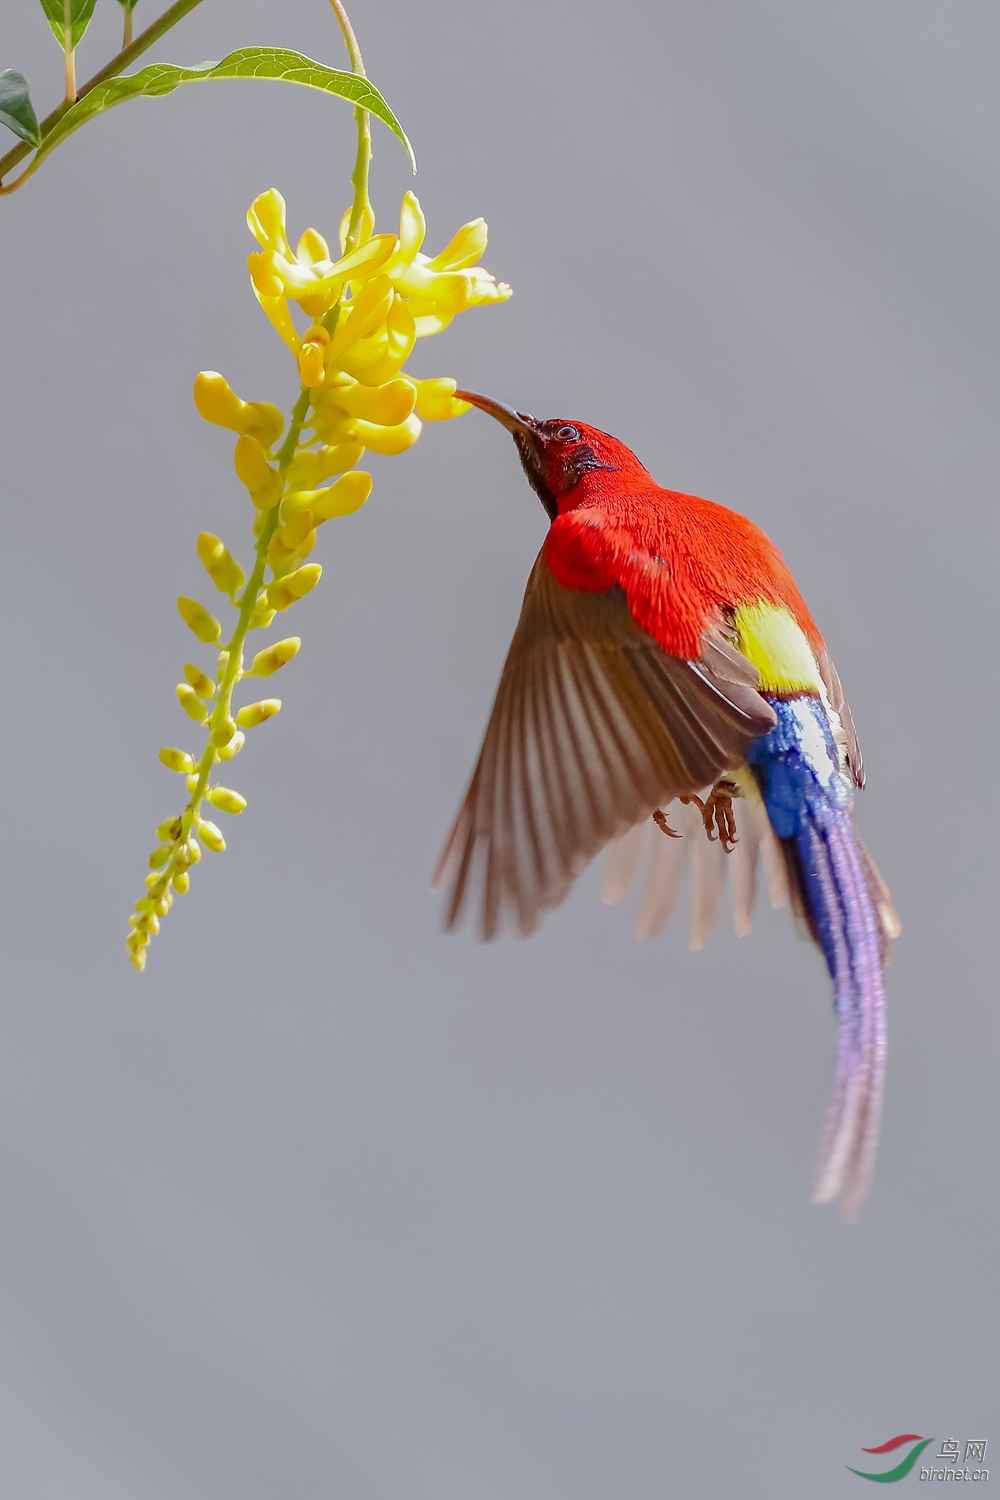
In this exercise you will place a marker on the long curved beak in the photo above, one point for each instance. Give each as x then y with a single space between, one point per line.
514 421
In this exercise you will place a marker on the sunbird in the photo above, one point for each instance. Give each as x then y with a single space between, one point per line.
664 654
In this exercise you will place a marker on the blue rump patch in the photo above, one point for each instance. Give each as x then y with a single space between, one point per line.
802 775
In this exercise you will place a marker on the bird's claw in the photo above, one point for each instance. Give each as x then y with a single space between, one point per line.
660 819
717 814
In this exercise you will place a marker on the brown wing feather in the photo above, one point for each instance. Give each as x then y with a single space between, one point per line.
592 728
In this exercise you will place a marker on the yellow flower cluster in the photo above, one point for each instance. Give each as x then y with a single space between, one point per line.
367 309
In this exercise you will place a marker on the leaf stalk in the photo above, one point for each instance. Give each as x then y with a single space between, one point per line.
69 51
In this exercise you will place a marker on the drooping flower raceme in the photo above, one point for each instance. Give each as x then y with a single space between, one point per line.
365 311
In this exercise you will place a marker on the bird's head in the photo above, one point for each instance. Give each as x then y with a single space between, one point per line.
565 461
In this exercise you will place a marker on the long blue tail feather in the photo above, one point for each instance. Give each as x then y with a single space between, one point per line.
808 794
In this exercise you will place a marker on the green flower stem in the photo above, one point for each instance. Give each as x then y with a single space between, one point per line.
118 64
362 164
247 603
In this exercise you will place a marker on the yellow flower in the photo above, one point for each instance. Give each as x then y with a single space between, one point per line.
307 275
367 311
438 287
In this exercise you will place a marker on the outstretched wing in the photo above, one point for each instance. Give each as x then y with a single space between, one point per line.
593 727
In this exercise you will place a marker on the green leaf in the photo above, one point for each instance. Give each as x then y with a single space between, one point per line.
15 107
127 4
80 12
246 62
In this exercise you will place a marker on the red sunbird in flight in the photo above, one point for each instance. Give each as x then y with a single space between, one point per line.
664 654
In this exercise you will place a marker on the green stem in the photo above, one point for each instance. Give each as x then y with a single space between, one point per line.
118 64
69 52
359 177
246 604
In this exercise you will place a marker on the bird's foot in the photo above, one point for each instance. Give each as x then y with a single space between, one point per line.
660 819
717 813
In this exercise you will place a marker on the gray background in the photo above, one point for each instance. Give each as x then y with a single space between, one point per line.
328 1204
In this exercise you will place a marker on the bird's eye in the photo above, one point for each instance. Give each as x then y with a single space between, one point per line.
567 434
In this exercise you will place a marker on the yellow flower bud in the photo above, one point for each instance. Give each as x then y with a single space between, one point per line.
294 586
412 227
267 497
199 680
223 733
182 857
281 565
217 402
435 400
266 221
143 904
463 250
252 467
263 614
192 781
314 341
152 923
154 883
176 760
348 494
205 626
169 830
311 370
289 537
266 662
309 469
387 440
223 569
159 857
264 421
211 837
163 904
253 714
194 851
181 882
387 405
233 747
226 800
312 246
137 958
191 703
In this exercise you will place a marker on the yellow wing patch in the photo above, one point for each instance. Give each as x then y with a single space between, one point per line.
770 637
